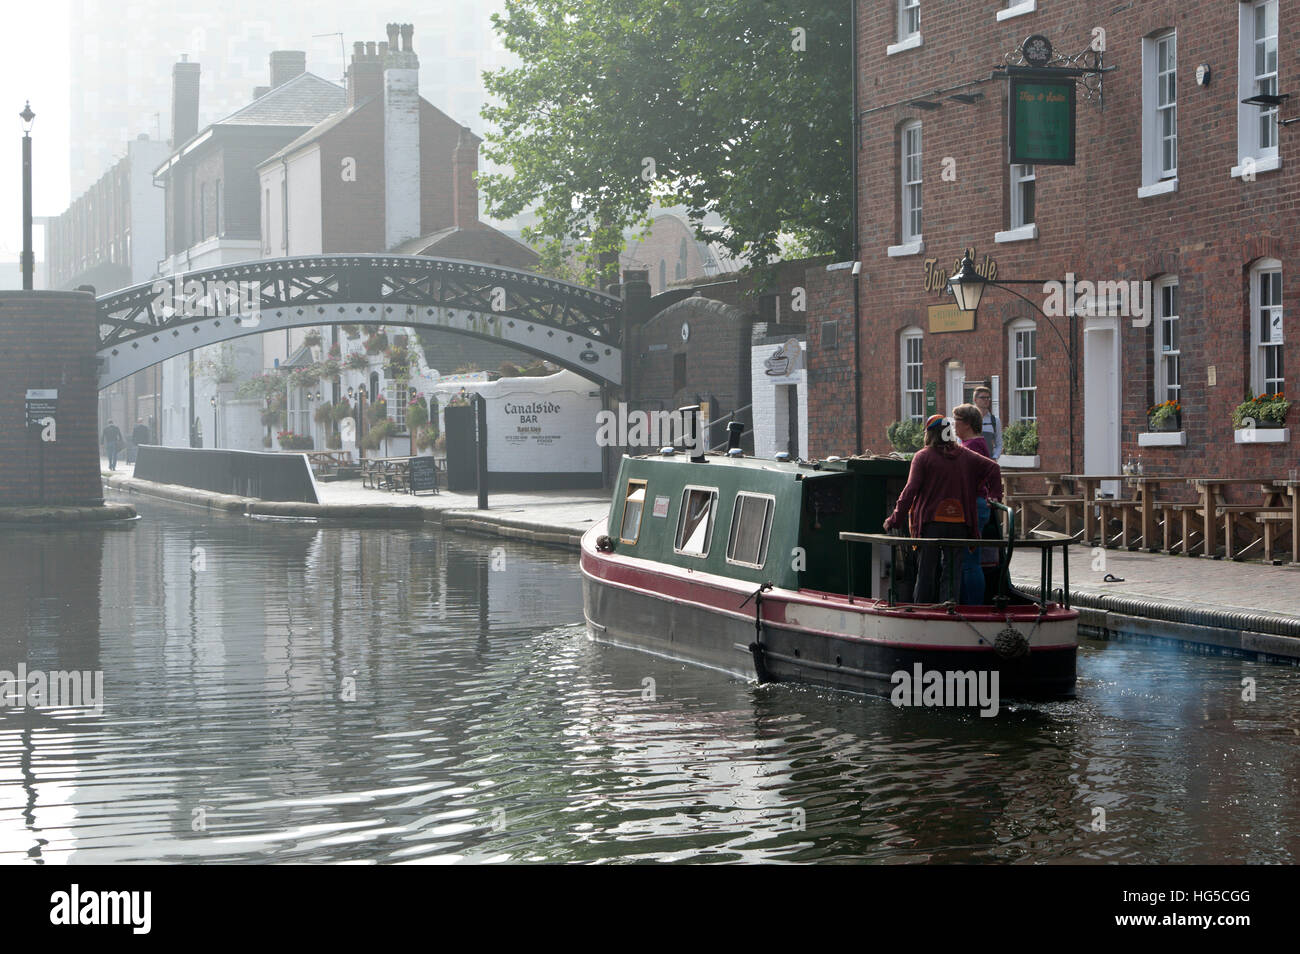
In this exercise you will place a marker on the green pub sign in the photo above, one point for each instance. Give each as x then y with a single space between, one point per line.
931 398
1042 121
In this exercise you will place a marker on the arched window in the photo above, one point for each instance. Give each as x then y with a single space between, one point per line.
913 374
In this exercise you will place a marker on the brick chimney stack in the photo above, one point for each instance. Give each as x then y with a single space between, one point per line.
185 101
464 168
285 65
365 74
401 87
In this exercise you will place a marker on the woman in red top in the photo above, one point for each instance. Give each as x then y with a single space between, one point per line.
939 501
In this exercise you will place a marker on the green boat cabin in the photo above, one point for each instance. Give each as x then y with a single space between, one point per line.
761 521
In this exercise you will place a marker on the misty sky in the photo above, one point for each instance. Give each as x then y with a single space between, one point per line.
452 37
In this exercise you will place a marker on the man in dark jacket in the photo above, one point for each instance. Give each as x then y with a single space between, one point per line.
140 435
112 440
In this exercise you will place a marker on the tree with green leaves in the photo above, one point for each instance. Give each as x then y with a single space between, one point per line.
735 107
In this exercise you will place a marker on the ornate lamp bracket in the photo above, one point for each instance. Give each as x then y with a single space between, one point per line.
1035 56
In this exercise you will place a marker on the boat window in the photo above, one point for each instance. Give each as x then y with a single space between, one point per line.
695 522
633 506
751 525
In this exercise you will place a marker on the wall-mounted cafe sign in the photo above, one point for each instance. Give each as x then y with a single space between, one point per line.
936 278
948 317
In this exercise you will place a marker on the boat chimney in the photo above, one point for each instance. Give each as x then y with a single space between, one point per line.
694 440
734 430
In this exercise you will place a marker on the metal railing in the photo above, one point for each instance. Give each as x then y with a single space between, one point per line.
1047 542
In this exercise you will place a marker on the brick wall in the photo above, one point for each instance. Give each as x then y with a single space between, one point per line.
716 353
439 135
660 253
352 211
1090 222
48 340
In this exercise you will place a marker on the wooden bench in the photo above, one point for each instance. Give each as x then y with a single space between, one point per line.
1124 508
1035 510
1240 516
1187 515
1275 525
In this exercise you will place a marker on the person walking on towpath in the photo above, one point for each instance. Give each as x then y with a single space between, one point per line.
939 499
140 435
112 440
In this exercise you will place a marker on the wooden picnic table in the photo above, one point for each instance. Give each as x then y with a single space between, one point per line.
1021 481
1146 486
1046 502
392 473
1211 493
321 460
1291 487
1089 485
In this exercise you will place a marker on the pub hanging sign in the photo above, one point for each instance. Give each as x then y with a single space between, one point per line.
1041 120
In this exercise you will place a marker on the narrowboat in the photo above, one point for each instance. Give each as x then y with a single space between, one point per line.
779 570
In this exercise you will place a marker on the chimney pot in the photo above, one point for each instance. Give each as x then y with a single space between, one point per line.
408 30
370 48
392 36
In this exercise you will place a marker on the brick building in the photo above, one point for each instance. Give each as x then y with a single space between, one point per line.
670 253
388 172
213 217
110 237
1176 183
697 345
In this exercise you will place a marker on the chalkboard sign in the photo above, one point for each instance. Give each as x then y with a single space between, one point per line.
424 475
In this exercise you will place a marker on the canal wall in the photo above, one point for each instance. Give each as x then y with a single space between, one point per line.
47 345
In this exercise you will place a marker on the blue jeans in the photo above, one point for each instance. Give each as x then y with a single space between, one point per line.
111 447
972 576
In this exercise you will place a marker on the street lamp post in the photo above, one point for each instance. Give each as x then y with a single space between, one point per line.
967 287
213 401
361 416
29 257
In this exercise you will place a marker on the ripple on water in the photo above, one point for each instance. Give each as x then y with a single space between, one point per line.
339 695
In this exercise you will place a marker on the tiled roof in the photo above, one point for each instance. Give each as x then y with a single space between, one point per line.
303 101
316 131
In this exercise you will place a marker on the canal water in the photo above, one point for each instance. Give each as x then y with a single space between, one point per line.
281 691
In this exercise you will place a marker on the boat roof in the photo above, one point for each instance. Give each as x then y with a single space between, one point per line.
807 469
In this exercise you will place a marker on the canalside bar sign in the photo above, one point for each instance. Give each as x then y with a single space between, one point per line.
1041 120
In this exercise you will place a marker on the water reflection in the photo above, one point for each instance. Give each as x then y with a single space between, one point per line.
283 691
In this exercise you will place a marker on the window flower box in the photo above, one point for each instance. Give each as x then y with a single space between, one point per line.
1262 412
1262 434
1019 462
1163 439
1166 417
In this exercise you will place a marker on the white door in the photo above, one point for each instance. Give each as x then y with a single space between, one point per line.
1101 404
954 385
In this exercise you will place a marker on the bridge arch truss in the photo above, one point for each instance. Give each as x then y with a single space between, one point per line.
576 328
